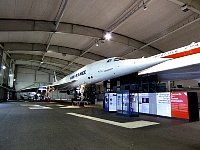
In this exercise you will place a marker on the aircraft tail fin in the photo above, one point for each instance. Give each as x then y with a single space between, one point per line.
54 77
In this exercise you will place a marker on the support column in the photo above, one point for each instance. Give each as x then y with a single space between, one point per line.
1 77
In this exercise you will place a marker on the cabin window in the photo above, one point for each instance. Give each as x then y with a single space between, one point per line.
118 59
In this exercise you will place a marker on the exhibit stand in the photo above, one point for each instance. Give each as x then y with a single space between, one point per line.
110 104
183 105
127 103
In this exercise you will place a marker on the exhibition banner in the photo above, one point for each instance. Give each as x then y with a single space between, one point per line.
179 105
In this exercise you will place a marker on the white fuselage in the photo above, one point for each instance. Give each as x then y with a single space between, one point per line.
115 67
107 69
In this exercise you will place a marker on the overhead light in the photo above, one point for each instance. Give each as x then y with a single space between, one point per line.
42 62
185 8
97 43
144 6
3 67
108 36
14 79
49 51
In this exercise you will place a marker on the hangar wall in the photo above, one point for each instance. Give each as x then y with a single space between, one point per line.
28 78
4 74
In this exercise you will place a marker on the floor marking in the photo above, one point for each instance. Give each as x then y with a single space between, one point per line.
70 107
130 125
26 105
59 105
39 107
49 105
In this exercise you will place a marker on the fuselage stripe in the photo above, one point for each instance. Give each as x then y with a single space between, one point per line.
184 53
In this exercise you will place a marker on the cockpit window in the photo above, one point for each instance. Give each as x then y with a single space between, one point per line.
115 59
118 59
109 60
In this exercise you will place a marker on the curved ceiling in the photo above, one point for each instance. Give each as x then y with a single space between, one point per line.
63 34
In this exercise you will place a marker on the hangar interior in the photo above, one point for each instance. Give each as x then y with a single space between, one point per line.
39 37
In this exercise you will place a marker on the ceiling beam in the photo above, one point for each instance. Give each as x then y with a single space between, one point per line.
66 28
183 23
195 17
29 57
50 68
12 46
136 6
57 22
44 65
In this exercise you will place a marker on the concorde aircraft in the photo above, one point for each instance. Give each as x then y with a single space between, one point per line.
114 67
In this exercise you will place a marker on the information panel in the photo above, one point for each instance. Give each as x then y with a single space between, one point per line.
112 102
125 102
147 103
163 104
134 107
179 105
144 102
119 102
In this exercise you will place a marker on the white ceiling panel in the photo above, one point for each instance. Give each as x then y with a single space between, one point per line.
31 63
25 62
70 40
84 61
35 63
109 49
74 67
180 38
94 13
29 9
140 53
26 37
160 15
60 56
58 65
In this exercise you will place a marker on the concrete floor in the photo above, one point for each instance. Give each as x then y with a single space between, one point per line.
23 128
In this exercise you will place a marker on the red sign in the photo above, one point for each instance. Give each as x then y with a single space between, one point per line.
179 105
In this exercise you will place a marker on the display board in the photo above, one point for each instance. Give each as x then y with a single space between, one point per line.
163 104
110 102
169 104
119 102
134 107
147 103
125 102
144 102
179 105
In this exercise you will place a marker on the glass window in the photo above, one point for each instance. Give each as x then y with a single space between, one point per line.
118 59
